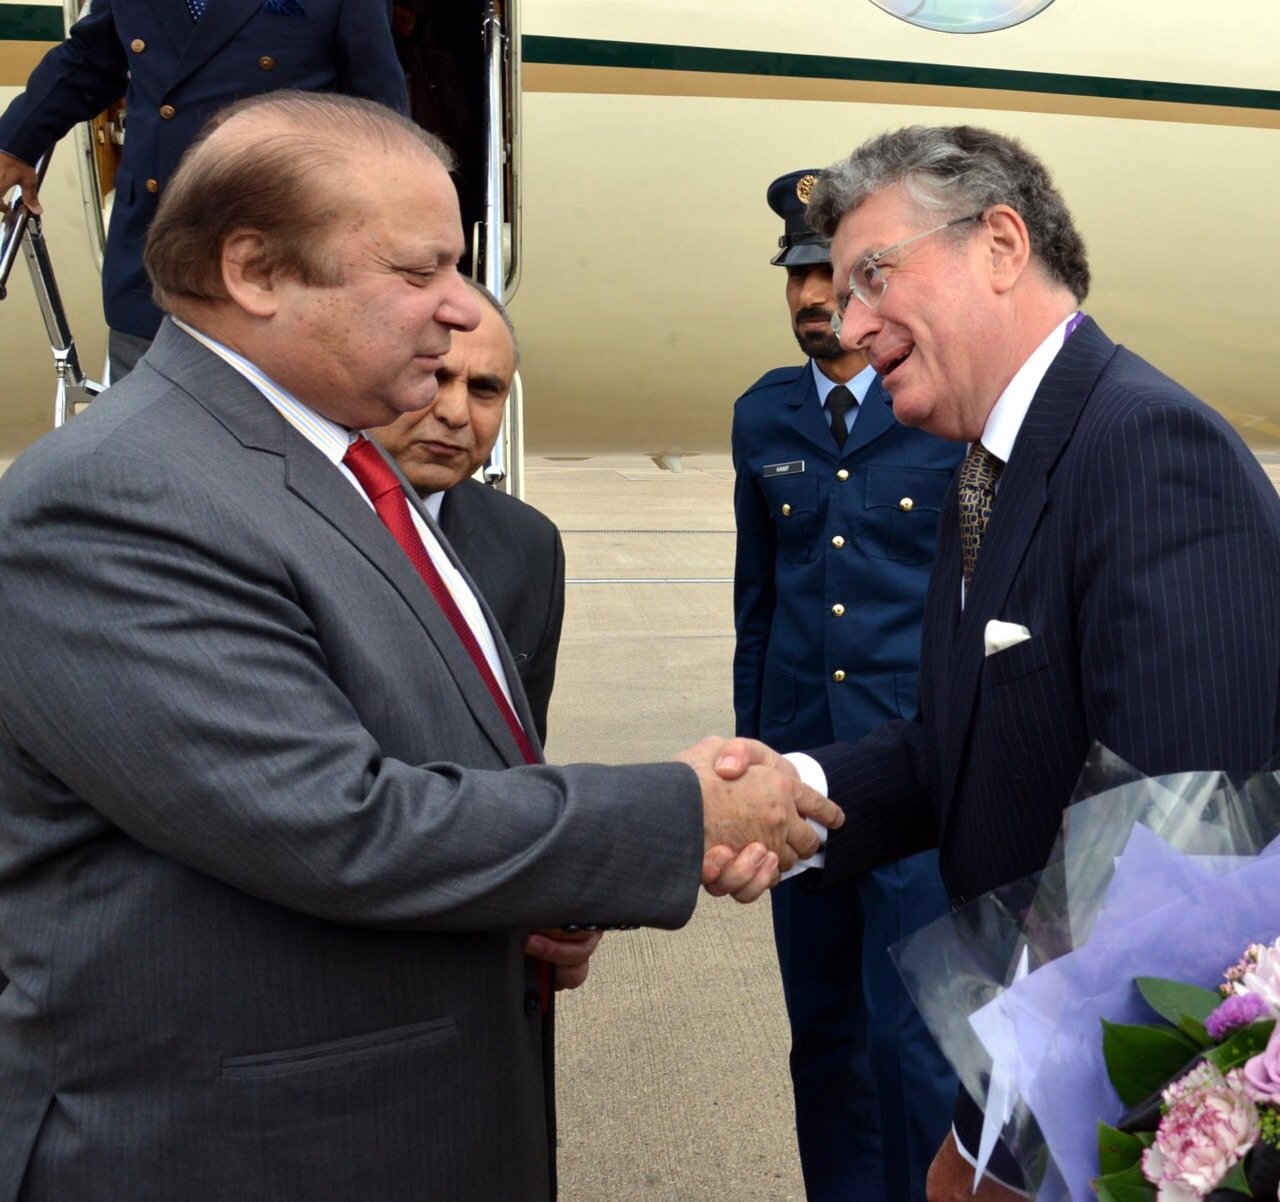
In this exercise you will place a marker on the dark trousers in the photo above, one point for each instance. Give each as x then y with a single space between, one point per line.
873 1094
123 352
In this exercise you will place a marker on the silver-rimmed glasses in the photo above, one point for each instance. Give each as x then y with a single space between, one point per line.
867 281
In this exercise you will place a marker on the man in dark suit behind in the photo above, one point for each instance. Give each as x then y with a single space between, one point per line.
511 551
176 63
837 511
284 882
1108 562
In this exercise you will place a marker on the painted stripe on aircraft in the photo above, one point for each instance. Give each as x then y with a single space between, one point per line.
768 70
589 65
31 22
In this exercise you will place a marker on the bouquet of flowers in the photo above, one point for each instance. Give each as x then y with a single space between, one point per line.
1156 880
1203 1091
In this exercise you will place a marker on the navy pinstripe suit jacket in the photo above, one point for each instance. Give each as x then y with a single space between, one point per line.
1138 540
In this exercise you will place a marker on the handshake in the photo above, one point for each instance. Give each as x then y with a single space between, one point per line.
755 813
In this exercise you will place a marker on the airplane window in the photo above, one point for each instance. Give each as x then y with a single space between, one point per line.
964 16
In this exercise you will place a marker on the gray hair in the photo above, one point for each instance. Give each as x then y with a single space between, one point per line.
954 170
500 309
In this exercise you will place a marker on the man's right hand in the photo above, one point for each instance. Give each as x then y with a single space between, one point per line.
15 173
767 806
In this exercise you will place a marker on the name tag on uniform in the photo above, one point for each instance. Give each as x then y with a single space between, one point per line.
794 468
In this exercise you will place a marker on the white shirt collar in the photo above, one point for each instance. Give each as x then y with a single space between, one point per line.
432 502
329 438
1006 418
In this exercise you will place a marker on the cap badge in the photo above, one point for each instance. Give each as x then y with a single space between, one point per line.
804 187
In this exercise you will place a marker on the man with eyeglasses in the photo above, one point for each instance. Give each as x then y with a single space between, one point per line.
837 510
1108 564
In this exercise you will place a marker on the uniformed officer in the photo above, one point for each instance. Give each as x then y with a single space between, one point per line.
837 506
176 64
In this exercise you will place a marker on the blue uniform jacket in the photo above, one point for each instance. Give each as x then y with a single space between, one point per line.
833 560
177 73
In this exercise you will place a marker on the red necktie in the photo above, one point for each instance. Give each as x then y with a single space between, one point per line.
383 488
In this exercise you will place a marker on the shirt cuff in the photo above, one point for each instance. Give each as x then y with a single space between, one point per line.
811 774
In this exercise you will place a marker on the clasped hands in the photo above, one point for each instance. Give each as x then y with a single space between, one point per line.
755 815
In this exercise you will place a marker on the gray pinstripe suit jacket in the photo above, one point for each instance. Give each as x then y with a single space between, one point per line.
1138 540
266 867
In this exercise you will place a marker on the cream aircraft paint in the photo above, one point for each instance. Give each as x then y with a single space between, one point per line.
646 301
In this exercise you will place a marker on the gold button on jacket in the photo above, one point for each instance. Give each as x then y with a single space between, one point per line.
137 45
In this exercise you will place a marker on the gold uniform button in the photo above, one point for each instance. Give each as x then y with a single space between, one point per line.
838 541
838 610
786 511
906 504
838 676
167 111
267 63
842 474
153 185
137 45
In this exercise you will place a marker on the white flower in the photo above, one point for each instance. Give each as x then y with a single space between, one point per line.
1263 978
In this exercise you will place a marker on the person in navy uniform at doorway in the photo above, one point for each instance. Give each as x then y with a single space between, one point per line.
836 520
176 64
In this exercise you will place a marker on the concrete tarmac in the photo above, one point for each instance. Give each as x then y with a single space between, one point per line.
672 1059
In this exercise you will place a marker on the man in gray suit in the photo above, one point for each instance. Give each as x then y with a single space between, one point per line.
273 835
512 552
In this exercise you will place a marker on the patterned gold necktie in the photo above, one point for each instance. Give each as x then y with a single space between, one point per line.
978 475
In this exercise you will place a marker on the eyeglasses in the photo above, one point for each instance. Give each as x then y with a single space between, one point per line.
868 282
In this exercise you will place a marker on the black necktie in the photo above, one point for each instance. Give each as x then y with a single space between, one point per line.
839 402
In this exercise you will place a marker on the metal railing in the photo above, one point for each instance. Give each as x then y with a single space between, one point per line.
504 467
23 232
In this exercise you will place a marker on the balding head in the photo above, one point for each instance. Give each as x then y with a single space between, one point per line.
280 164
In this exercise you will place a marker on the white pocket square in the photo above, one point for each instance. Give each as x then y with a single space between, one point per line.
1000 636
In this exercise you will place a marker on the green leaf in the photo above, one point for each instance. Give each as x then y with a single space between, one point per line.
1142 1059
1236 1180
1117 1150
1241 1045
1128 1186
1195 1030
1173 1000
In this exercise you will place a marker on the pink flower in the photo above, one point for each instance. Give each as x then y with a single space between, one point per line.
1262 1072
1209 1124
1259 973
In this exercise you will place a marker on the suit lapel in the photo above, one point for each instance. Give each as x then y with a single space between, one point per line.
219 24
808 418
1020 504
254 422
519 702
875 416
